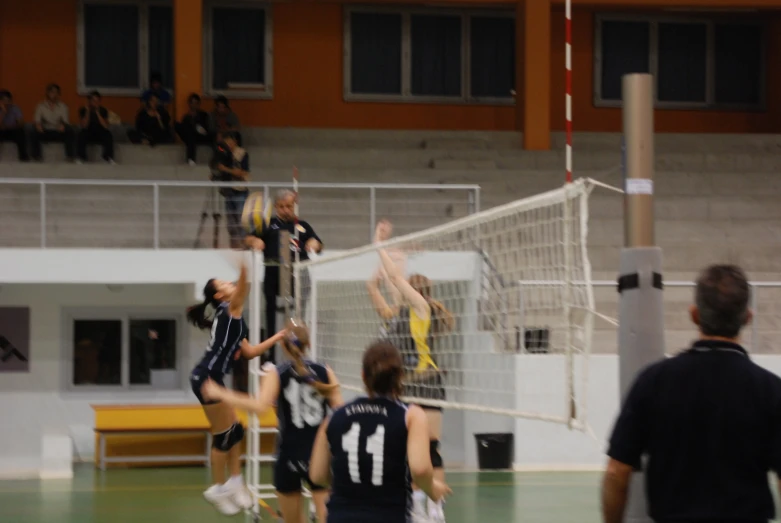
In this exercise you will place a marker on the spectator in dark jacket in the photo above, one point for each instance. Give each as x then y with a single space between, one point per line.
194 128
153 124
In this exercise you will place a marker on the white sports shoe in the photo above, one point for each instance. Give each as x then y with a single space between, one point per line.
239 494
222 500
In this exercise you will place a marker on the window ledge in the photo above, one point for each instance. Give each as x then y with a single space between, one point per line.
428 100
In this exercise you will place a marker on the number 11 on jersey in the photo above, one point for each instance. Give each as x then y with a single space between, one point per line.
375 447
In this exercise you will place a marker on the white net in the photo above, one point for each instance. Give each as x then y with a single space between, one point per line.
516 281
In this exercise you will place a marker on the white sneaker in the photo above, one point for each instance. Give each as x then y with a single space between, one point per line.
239 494
191 163
222 500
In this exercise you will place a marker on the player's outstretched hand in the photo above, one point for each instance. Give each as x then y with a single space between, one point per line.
211 391
383 231
440 490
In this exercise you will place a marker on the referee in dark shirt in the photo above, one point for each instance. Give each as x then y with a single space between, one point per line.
707 421
268 242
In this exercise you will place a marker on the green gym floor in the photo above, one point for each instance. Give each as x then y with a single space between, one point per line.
173 495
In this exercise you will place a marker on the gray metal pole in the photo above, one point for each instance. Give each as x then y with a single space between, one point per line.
641 313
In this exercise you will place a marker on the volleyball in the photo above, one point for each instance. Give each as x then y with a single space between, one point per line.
256 214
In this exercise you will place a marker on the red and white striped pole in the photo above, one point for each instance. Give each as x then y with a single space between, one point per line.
568 86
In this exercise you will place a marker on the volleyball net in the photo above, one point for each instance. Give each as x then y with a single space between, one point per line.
513 280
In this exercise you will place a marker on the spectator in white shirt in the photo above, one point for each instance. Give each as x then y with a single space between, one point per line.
52 124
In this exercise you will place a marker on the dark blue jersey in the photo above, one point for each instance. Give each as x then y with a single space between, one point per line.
226 335
371 478
300 409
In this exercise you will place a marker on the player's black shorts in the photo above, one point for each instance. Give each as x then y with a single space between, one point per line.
290 473
344 515
198 376
432 389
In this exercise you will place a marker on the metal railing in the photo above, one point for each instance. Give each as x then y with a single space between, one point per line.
764 317
166 214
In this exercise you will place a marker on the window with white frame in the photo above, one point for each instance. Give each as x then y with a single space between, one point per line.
238 50
123 351
121 42
696 63
429 55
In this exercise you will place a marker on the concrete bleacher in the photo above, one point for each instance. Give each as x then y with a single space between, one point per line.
717 195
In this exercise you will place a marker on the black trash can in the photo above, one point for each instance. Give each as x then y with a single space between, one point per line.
495 451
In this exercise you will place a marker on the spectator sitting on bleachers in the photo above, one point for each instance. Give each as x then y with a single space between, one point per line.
12 124
224 120
194 128
153 124
94 120
52 124
156 88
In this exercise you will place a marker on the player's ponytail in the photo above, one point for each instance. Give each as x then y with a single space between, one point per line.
296 343
383 369
442 320
197 313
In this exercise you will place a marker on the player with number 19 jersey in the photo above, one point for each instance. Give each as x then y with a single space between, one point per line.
371 478
301 410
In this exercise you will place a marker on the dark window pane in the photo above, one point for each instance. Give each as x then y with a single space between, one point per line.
436 55
492 50
375 53
682 63
97 352
625 49
739 64
153 353
161 42
111 45
238 46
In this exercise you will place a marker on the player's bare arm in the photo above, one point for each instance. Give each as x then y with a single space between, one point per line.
615 491
249 351
320 463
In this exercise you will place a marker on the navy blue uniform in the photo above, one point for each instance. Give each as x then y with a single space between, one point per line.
371 478
301 410
226 335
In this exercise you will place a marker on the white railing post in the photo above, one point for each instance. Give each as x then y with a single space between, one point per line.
43 214
372 212
156 211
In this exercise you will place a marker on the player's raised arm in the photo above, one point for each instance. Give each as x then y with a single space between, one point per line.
384 311
236 306
395 276
267 397
320 463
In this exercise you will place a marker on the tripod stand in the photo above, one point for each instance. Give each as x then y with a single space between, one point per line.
211 206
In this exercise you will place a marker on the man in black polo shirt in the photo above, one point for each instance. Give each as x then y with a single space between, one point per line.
268 242
708 421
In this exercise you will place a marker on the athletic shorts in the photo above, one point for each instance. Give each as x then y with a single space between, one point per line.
432 390
289 475
197 378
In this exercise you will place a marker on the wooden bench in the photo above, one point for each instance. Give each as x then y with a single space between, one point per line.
155 434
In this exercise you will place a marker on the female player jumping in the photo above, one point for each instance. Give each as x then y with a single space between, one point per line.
372 448
228 341
412 324
303 390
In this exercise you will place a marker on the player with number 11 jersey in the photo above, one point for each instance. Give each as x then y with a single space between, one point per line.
374 447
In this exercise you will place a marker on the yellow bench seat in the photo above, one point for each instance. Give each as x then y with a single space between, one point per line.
144 435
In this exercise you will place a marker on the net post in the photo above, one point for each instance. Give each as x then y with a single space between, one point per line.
567 309
253 378
641 319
